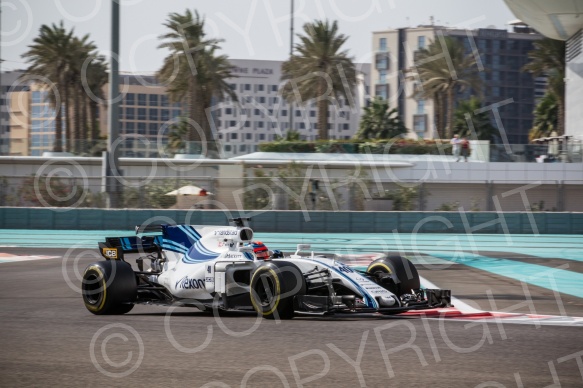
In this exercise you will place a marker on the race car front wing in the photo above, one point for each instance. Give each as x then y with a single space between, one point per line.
421 299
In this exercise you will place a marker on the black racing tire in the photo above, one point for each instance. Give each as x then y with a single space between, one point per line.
274 284
402 272
109 287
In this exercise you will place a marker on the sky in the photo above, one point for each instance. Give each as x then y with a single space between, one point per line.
251 29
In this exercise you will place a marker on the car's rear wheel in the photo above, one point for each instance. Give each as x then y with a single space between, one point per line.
395 273
109 287
273 287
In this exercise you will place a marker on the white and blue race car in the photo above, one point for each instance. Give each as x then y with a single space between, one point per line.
214 267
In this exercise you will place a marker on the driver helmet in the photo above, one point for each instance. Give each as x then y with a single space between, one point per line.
260 250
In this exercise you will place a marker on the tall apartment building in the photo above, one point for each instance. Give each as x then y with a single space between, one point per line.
501 55
146 112
9 83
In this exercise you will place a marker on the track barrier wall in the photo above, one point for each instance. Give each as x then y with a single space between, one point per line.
300 221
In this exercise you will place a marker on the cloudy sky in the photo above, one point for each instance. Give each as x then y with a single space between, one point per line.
252 29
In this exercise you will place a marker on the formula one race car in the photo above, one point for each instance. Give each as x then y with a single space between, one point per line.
215 267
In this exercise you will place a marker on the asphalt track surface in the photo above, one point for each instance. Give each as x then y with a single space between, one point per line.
48 338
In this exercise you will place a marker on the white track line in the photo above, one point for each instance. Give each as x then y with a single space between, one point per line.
505 317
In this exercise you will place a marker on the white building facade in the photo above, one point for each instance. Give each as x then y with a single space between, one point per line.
261 114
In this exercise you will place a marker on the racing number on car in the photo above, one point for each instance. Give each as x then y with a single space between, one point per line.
110 253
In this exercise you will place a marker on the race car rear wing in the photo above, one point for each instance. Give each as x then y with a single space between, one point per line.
114 248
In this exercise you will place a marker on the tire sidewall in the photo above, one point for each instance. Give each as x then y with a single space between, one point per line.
402 271
288 282
116 287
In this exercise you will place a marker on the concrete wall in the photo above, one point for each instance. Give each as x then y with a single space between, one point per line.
297 221
473 185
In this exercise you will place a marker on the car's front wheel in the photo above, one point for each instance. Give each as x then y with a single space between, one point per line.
395 273
273 287
109 287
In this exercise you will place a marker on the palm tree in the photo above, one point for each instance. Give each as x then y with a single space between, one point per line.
193 72
480 122
380 122
47 57
213 71
548 58
177 136
95 77
546 117
81 50
319 70
291 136
446 75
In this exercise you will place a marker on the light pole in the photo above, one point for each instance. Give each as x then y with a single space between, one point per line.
291 53
111 157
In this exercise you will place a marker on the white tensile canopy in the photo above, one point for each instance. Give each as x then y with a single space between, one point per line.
187 190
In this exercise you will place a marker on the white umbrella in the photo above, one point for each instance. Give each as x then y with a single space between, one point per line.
187 190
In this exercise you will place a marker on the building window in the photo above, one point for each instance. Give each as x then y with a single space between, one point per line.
153 100
312 113
382 77
142 128
37 111
232 123
382 91
346 127
142 99
130 127
261 87
141 113
256 112
420 107
153 129
420 124
130 113
165 114
284 112
262 100
37 97
234 136
382 61
274 88
154 114
420 42
233 86
164 100
247 87
130 99
260 124
248 136
383 44
228 111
